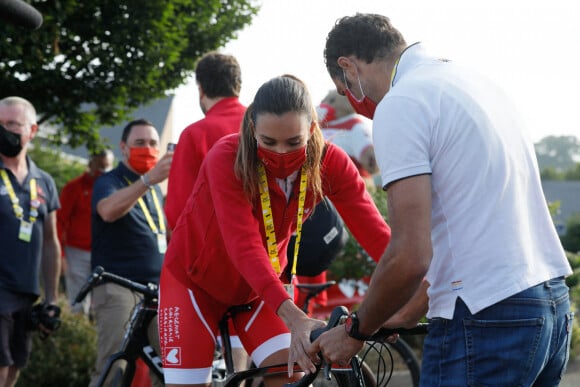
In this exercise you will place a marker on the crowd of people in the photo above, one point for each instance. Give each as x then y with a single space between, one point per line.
258 198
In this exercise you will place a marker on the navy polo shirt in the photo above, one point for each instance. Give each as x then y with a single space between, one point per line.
128 246
20 260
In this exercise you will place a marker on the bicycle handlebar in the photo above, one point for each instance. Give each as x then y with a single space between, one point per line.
335 318
99 275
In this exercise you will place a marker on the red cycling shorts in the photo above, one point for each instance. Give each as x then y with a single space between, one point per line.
188 330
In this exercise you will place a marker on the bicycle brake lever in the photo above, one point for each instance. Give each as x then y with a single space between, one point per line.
91 280
326 371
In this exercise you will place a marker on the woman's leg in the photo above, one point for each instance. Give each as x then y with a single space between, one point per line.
266 339
188 320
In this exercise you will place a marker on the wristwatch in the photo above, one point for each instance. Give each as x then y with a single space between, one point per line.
351 326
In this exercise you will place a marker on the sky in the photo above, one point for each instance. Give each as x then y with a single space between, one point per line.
530 47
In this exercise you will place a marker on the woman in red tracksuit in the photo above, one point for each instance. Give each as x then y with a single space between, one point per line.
273 172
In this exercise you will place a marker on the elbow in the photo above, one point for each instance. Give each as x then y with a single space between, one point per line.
106 216
107 219
106 213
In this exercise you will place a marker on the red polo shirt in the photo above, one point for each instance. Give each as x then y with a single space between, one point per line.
74 215
225 117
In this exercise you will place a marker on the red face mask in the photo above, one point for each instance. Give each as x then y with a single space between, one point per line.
282 165
364 106
142 159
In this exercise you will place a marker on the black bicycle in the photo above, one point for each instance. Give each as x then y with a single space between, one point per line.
135 342
355 375
370 369
394 364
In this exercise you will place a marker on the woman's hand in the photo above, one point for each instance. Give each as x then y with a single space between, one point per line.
300 327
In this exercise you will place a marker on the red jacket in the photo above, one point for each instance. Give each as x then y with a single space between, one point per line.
74 215
225 117
215 244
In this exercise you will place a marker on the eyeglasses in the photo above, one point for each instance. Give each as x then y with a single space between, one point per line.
12 125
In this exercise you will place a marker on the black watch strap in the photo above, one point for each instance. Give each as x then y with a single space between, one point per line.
352 325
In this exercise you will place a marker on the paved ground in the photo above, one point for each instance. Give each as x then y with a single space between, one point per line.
571 379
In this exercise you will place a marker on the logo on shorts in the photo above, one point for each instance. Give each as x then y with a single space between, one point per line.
172 355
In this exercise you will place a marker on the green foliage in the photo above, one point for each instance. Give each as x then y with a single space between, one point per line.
66 358
572 173
554 207
571 240
354 262
573 283
51 161
92 62
558 152
550 173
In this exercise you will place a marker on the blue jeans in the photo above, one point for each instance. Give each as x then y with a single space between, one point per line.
523 340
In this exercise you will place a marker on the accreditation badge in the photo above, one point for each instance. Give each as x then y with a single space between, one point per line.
162 243
25 233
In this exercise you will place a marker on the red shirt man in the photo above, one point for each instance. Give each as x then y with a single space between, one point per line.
219 81
74 226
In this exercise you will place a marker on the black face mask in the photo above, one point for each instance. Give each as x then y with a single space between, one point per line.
10 143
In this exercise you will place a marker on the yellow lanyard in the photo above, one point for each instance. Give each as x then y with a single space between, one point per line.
394 72
148 216
34 203
269 221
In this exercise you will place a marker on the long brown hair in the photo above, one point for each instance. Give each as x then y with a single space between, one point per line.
278 96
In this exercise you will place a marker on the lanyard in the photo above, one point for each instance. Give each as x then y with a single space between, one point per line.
148 216
394 72
34 203
269 221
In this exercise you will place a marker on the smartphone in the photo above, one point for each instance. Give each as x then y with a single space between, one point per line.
171 147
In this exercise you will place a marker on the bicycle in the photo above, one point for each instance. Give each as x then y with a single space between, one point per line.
136 345
403 362
135 342
355 377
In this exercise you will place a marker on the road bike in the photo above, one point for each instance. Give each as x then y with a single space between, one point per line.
135 342
395 364
136 346
355 376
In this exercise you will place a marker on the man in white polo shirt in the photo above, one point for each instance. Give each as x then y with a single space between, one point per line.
467 214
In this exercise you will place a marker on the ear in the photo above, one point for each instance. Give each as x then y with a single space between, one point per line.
344 63
123 147
33 131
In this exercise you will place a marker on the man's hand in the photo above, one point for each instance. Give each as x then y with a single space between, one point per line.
336 346
160 171
46 318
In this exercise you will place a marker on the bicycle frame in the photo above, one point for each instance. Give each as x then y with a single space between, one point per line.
136 343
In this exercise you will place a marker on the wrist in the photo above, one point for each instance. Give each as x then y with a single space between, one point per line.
351 327
146 181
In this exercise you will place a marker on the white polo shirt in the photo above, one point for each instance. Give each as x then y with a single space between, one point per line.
492 233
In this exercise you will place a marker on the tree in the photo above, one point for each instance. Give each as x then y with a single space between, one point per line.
571 240
550 173
573 173
92 62
558 152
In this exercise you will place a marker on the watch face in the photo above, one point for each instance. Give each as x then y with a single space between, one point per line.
348 324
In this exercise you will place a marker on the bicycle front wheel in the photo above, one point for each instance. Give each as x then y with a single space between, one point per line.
393 364
345 377
118 373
